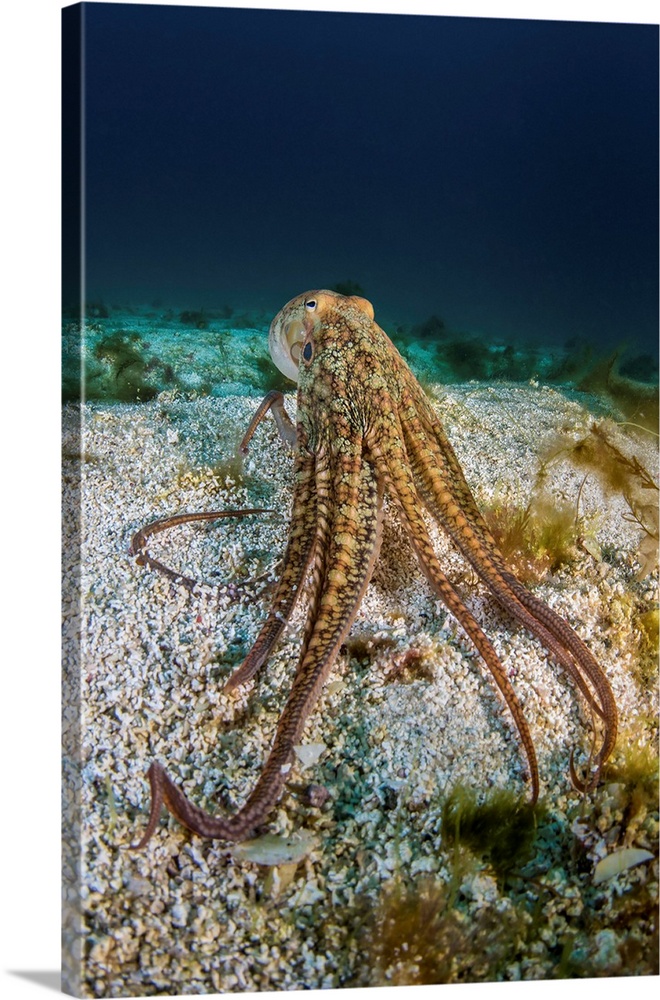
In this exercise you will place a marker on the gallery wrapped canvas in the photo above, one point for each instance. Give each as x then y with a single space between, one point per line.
360 500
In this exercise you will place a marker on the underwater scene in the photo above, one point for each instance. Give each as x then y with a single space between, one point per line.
360 476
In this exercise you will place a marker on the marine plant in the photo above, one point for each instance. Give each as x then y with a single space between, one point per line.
639 368
546 533
465 357
122 351
648 622
634 770
571 366
433 328
535 539
622 813
548 912
600 452
420 937
500 828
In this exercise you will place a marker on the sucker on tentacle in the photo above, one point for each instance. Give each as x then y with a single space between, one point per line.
365 427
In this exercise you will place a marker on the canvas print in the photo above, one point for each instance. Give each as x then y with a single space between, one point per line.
360 423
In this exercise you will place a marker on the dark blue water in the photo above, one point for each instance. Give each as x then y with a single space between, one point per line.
500 174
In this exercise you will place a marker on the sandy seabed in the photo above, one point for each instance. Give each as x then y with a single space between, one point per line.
187 916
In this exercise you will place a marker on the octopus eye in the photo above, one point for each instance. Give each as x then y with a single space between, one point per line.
310 304
307 351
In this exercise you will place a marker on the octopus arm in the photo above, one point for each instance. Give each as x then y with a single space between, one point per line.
394 465
273 401
297 557
447 503
585 661
422 419
348 521
445 498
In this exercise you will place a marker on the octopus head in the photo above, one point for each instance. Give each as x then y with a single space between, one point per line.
289 329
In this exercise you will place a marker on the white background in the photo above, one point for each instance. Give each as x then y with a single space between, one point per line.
29 553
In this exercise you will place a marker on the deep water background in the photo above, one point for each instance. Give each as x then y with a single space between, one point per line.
499 175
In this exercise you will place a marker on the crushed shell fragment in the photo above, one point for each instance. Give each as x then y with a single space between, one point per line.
620 861
272 849
309 753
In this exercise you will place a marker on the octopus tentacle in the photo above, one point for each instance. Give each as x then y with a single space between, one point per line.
296 560
474 540
478 547
273 401
480 550
394 467
139 539
349 513
420 415
563 632
348 522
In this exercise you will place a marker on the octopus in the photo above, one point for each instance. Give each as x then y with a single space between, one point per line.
366 428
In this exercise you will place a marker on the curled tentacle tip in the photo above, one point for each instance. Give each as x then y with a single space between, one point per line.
144 839
233 681
140 846
155 775
576 781
579 784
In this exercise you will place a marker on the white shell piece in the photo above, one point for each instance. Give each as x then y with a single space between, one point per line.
274 850
620 861
309 753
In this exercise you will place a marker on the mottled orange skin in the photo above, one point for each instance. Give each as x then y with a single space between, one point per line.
366 427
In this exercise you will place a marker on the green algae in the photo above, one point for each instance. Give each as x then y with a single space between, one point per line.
545 534
198 318
420 937
604 453
536 538
634 770
500 829
127 372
